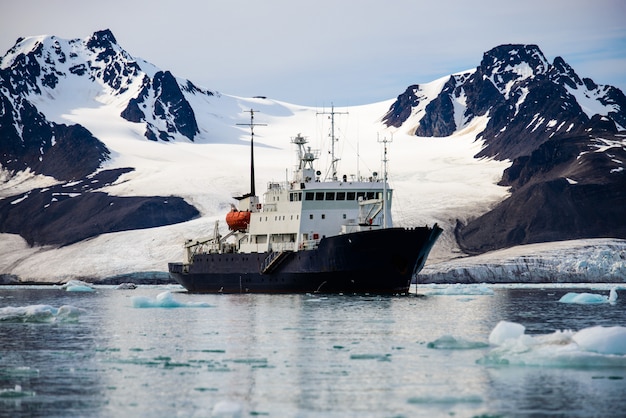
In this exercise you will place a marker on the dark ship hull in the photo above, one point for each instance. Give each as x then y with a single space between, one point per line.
379 261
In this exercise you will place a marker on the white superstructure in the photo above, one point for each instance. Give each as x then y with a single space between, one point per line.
295 215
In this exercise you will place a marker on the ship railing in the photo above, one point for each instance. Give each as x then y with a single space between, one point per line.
308 244
197 247
283 246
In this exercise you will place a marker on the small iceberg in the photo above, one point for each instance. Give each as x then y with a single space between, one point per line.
589 298
227 409
126 286
77 286
40 314
590 347
448 342
506 331
602 340
165 300
15 392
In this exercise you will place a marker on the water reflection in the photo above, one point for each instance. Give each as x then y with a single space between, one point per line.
535 391
292 355
52 361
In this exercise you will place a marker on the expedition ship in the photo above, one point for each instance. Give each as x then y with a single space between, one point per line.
308 235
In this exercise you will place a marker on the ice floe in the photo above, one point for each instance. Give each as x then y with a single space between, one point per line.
165 300
589 298
126 286
77 286
603 340
227 409
40 314
590 347
448 342
15 392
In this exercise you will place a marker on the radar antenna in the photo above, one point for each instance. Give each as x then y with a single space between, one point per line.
334 160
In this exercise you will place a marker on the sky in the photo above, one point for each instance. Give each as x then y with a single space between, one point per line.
345 52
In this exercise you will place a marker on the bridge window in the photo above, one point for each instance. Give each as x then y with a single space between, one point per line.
330 195
351 196
295 197
341 195
308 196
319 195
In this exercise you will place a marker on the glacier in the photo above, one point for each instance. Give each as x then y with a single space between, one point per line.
576 261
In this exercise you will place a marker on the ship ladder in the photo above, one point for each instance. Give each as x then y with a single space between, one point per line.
272 261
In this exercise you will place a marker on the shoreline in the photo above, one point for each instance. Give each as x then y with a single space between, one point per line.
577 261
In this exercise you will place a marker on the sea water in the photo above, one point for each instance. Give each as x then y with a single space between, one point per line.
445 351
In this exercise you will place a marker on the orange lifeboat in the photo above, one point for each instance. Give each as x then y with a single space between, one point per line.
237 220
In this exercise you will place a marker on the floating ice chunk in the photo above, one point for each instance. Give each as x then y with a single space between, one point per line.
506 331
20 372
69 313
372 356
15 392
603 340
229 409
590 347
77 286
448 342
32 313
165 300
40 314
126 286
589 298
80 289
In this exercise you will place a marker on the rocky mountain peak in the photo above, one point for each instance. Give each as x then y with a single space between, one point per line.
101 39
562 73
43 77
506 65
526 101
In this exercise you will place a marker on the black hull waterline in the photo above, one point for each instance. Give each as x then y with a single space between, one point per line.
381 261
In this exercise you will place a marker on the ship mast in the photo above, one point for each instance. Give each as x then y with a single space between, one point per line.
252 125
334 160
385 160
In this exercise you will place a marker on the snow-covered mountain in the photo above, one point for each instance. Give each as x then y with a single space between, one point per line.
528 101
561 132
109 163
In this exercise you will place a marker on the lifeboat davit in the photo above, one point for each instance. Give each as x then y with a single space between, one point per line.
237 220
